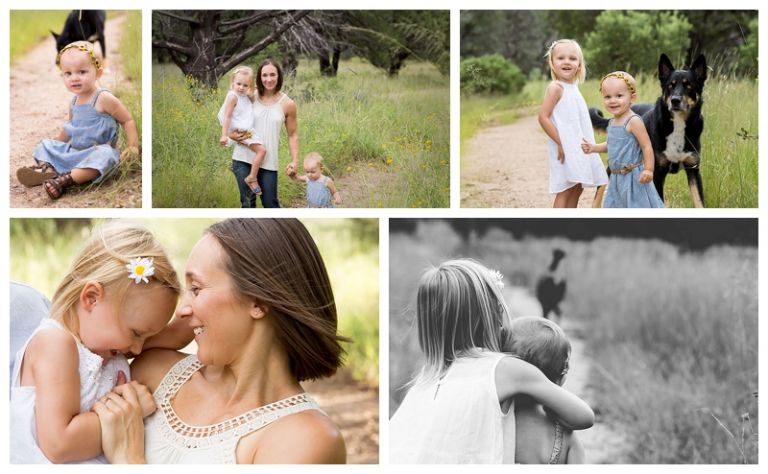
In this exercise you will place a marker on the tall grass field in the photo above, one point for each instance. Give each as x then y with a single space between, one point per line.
672 334
388 137
729 144
42 250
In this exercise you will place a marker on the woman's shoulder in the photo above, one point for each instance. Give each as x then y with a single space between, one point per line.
305 437
149 367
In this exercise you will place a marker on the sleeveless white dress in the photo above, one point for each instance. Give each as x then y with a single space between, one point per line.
169 440
456 420
97 378
571 117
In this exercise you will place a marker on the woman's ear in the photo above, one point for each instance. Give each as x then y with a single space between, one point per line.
258 312
91 294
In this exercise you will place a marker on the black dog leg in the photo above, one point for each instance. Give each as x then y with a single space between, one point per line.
695 186
659 176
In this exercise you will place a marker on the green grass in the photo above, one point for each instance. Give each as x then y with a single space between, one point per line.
42 250
359 119
30 27
673 334
729 164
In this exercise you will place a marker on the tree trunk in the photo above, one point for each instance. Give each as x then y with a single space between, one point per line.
396 62
202 64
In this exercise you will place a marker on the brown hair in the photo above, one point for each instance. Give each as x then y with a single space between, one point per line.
293 285
539 342
259 84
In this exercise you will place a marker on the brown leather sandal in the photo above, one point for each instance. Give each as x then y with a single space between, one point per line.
55 187
31 176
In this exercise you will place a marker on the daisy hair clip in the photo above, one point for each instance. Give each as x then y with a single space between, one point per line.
497 279
140 269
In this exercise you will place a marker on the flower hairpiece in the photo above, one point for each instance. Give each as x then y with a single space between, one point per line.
140 269
619 75
80 46
498 277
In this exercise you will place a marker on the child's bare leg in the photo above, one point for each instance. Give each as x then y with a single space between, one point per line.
55 187
251 179
575 194
561 198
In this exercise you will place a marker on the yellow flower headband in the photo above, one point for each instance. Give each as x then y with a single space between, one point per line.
620 75
83 46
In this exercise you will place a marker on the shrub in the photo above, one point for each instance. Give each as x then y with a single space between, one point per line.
632 41
492 74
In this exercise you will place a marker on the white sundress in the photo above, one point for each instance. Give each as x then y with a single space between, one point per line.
571 118
456 420
169 440
97 378
242 118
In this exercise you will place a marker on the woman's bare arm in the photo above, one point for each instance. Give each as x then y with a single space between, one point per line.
292 129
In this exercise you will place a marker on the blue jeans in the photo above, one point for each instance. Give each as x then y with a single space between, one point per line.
267 181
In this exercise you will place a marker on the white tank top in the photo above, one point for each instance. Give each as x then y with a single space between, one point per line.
169 440
97 378
268 121
457 420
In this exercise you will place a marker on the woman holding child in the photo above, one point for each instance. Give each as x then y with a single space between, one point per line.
258 334
272 109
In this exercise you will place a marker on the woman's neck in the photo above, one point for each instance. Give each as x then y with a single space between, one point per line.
259 376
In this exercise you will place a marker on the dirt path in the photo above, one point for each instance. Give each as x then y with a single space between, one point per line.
354 407
507 166
602 443
39 108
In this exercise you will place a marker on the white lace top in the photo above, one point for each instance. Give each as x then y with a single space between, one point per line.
97 378
169 440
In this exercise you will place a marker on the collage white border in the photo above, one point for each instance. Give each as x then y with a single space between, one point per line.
455 6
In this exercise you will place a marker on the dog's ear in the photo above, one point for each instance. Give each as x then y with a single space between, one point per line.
699 68
55 36
665 67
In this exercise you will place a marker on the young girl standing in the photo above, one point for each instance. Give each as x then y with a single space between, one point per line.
630 152
565 119
120 290
236 115
85 149
457 406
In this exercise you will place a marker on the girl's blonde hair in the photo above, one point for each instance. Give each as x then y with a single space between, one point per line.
316 157
460 310
581 73
86 47
247 70
103 258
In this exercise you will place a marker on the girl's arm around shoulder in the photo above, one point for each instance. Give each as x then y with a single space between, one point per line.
149 367
308 437
515 376
64 434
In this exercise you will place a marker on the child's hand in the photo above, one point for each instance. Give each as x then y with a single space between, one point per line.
130 152
337 198
290 169
223 140
560 154
586 147
646 176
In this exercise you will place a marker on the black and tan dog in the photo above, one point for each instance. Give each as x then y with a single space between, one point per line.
83 25
674 124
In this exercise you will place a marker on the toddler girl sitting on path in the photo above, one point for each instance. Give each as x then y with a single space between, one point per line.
85 149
